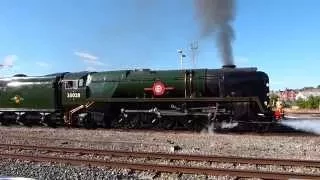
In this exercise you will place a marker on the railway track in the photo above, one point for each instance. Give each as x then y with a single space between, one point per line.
165 168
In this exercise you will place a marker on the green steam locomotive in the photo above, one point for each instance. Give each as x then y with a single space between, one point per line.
166 99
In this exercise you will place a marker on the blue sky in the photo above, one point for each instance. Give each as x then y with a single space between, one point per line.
280 37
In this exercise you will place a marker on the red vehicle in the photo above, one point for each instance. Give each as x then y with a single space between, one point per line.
279 114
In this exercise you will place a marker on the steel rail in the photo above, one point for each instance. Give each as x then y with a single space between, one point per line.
165 168
187 157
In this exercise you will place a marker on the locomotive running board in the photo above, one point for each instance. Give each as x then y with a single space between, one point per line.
200 99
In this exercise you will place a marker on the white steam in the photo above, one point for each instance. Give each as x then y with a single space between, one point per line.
311 126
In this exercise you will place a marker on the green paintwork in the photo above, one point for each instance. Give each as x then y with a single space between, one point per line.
76 95
131 84
199 82
104 84
34 92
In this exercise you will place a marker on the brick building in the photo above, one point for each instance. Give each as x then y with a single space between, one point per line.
288 95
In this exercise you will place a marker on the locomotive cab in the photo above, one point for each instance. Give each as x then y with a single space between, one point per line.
74 89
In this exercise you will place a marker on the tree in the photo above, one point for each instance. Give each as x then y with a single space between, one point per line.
273 99
311 103
301 103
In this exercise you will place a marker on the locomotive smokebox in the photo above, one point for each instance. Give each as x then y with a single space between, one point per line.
229 66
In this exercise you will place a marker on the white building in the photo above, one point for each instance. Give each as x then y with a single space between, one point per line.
306 93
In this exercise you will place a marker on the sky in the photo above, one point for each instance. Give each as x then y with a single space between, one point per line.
40 37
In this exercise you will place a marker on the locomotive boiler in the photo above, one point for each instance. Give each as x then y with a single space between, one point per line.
144 98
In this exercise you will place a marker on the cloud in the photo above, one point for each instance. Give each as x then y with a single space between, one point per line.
8 61
86 56
91 69
89 58
42 64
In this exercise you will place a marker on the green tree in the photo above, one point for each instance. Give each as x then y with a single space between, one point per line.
273 99
311 103
301 103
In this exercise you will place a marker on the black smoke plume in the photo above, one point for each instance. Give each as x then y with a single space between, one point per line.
215 17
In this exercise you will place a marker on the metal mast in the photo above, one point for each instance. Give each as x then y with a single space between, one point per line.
194 50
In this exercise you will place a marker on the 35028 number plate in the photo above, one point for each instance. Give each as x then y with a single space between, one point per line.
73 95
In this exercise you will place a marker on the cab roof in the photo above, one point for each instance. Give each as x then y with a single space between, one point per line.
76 75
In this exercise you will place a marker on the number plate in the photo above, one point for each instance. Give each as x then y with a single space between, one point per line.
73 95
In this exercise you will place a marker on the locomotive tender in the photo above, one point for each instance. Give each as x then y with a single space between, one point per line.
166 99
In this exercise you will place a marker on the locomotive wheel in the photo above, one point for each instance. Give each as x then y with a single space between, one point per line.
169 123
189 123
158 124
119 122
44 122
88 123
3 121
134 121
200 124
150 121
195 123
48 121
27 119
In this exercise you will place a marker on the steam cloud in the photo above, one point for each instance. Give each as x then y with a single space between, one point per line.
311 126
215 16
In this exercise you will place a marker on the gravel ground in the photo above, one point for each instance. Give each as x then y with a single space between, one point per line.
50 171
195 143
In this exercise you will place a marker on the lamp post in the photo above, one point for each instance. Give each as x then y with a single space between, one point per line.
182 55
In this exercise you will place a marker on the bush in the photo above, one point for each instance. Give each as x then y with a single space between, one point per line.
273 99
311 103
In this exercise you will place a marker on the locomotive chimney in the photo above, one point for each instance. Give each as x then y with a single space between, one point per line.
229 66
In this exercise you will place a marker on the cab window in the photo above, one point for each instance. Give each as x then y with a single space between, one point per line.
81 83
71 85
